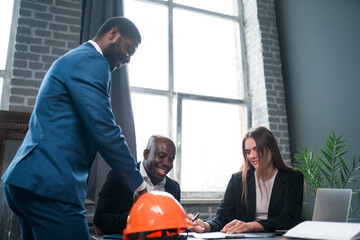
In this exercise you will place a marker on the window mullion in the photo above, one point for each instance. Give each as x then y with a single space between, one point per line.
178 138
5 95
171 70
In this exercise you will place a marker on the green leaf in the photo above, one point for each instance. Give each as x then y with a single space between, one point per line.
330 170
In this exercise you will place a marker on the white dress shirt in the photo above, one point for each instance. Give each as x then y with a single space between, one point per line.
263 196
96 46
149 185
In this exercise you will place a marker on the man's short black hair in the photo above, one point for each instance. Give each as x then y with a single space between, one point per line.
126 28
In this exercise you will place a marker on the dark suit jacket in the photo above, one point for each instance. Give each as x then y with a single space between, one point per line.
116 200
71 121
285 205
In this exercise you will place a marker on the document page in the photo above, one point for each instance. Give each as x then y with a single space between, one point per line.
217 235
220 235
325 230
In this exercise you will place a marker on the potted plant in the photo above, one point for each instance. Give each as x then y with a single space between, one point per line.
329 170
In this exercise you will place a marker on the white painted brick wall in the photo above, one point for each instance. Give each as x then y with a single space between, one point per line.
265 72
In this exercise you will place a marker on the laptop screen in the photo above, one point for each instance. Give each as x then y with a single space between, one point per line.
332 205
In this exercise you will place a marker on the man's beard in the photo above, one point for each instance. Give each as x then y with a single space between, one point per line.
113 54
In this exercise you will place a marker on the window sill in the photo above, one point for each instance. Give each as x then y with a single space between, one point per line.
200 201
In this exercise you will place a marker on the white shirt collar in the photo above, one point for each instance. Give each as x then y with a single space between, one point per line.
150 186
96 46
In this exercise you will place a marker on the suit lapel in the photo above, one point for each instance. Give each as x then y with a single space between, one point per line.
251 194
278 189
167 186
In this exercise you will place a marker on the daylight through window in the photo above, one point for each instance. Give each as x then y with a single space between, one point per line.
187 82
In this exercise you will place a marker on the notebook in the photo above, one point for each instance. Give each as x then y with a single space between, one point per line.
332 205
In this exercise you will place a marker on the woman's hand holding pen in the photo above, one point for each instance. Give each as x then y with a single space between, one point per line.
196 224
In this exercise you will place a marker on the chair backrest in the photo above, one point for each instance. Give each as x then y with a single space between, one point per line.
332 205
13 128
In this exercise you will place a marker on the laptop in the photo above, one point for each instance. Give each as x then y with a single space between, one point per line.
332 205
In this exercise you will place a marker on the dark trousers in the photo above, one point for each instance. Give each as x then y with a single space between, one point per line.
44 218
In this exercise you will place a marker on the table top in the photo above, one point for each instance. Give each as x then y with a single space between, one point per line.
262 236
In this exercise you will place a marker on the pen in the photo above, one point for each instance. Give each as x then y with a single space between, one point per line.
195 217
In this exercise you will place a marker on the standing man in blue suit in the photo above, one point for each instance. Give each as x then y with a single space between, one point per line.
45 184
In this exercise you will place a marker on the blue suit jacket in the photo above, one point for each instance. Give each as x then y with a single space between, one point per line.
71 121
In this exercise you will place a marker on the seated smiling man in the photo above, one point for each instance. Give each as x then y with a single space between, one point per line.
116 199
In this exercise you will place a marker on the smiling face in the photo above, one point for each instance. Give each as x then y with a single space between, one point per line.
254 157
158 158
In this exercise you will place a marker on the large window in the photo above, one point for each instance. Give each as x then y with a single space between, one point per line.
187 82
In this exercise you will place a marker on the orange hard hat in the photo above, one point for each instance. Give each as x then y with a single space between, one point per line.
155 215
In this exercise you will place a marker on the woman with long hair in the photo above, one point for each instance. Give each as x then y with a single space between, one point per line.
265 195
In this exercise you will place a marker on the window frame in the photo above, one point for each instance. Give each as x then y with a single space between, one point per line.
6 73
171 95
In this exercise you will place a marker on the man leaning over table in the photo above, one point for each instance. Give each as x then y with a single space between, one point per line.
45 184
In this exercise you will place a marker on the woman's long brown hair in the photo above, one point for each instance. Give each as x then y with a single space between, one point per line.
265 142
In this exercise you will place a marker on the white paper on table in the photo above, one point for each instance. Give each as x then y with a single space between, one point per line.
217 235
221 235
325 230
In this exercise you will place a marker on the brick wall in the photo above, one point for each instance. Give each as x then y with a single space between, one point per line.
206 211
265 72
46 30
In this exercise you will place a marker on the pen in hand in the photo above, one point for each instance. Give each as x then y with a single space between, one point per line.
195 217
